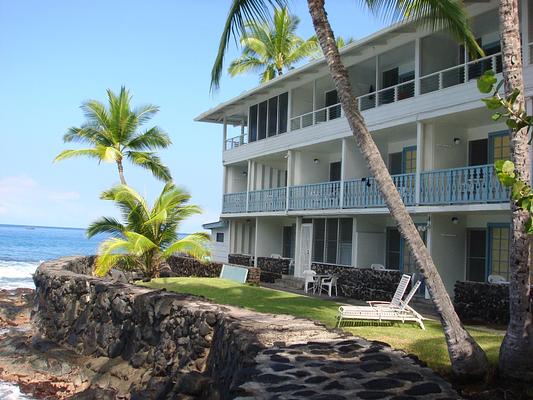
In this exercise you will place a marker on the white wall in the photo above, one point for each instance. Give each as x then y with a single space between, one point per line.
438 51
443 150
265 176
242 236
353 164
219 250
369 240
448 248
269 236
302 100
305 169
236 178
363 77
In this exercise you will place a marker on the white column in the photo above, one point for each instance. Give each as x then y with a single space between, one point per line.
297 239
289 110
290 178
419 158
376 101
344 149
417 66
224 133
314 100
242 132
256 241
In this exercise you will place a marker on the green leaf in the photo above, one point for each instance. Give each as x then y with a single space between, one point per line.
498 165
511 123
512 97
508 167
486 82
529 226
496 116
492 103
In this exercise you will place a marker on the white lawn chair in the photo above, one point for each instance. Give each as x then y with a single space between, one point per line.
398 295
327 284
309 276
377 267
496 279
403 313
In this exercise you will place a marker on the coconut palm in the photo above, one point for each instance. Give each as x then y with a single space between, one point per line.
148 235
271 48
339 40
113 134
516 352
466 356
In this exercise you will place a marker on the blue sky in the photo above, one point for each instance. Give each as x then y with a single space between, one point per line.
56 54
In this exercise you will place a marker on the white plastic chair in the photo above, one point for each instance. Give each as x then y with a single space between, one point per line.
497 279
327 284
275 256
398 294
309 276
377 267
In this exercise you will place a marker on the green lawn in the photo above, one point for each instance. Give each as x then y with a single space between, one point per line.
428 345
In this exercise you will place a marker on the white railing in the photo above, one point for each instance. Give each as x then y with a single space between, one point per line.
460 73
324 114
391 94
316 196
235 142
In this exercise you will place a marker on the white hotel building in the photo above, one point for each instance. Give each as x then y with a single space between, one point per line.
296 185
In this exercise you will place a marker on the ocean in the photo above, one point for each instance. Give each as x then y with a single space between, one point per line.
22 248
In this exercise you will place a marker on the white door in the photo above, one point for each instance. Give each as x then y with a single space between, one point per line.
305 248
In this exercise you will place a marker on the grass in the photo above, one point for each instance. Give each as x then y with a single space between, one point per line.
428 345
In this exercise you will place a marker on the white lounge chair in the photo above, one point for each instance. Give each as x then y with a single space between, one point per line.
398 294
377 267
309 276
403 313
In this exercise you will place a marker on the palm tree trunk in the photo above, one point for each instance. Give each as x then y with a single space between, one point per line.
516 352
467 358
121 172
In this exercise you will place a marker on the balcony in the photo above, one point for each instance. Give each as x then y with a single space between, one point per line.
455 186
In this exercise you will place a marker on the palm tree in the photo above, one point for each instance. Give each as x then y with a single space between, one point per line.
272 48
340 41
516 352
113 135
148 235
467 357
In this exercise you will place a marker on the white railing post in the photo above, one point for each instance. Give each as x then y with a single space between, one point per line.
417 66
289 110
224 133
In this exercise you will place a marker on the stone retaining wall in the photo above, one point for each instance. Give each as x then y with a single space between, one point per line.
241 259
482 302
362 283
193 349
273 268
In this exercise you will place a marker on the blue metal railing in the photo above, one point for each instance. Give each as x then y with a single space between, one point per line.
234 203
316 196
267 200
466 185
360 193
478 184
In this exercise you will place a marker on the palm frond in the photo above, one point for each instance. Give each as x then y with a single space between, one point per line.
449 15
96 113
93 153
105 225
152 138
194 245
240 12
245 64
151 162
145 113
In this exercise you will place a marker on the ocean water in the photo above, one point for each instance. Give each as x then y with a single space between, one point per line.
22 249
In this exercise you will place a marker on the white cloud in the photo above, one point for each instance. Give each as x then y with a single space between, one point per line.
24 200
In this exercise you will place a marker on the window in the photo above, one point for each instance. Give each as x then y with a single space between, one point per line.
499 146
283 112
409 160
499 250
476 251
220 237
289 239
393 248
262 122
272 116
253 123
335 171
395 163
318 239
269 117
332 240
478 152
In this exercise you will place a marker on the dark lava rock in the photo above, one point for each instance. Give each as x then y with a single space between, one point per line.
382 384
407 376
285 388
281 367
372 395
375 366
424 388
280 359
316 379
271 378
